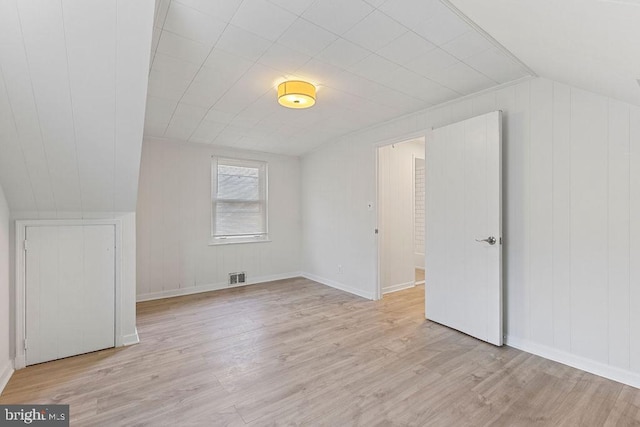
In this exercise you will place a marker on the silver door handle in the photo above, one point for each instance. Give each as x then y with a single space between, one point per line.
490 240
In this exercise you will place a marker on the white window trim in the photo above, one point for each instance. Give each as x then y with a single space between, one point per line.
239 239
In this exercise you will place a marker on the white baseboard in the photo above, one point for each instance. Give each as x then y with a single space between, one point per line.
5 374
131 339
338 285
213 287
398 287
598 368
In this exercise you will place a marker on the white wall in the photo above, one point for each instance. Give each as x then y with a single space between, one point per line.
419 211
6 362
174 222
572 197
128 278
396 225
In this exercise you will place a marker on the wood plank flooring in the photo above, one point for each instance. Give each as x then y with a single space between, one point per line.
294 352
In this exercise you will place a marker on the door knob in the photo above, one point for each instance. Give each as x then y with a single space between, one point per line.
490 240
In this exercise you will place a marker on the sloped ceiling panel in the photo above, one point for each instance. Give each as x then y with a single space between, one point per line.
73 84
592 44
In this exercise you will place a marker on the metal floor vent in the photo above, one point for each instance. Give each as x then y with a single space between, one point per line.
237 278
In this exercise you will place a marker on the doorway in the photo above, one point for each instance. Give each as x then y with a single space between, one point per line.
462 224
401 215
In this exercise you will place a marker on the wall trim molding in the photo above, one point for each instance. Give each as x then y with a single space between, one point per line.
130 339
597 368
5 374
170 293
338 285
398 287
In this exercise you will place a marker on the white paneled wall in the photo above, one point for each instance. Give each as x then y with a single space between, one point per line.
174 222
396 225
418 216
6 362
572 197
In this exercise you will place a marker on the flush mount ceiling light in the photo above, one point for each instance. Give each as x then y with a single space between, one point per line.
296 94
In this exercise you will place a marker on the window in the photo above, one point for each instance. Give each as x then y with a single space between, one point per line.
239 201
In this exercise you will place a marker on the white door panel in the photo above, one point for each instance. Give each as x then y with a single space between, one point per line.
463 204
70 290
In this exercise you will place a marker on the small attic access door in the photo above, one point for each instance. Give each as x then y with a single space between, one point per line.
69 290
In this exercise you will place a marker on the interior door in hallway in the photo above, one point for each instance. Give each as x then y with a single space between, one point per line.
464 227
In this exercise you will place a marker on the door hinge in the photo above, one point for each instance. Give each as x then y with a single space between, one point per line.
25 245
25 343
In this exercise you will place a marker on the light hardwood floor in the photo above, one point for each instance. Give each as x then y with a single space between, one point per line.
294 352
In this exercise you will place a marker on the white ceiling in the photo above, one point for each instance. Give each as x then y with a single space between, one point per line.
74 76
216 64
73 82
592 44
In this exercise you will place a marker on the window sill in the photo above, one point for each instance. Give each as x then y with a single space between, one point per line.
236 242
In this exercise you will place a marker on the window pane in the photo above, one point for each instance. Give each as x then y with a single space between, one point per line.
234 218
239 199
238 183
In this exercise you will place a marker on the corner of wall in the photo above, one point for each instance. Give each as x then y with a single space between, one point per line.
6 372
339 286
6 362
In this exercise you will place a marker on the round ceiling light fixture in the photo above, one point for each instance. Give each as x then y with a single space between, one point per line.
296 94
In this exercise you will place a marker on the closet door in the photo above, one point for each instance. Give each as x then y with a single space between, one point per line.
70 290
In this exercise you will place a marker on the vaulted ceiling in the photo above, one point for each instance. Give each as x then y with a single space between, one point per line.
592 44
73 82
216 64
76 76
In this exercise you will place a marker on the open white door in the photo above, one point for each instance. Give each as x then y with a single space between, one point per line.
464 227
